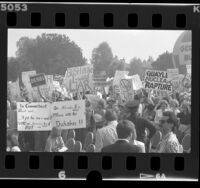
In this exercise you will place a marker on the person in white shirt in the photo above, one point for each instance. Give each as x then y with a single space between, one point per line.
169 142
107 135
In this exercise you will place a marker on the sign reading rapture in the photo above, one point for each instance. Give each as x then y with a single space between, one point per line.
79 79
37 80
157 80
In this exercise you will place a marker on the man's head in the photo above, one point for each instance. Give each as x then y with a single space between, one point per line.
169 122
110 115
126 130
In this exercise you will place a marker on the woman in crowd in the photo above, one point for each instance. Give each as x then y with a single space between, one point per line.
169 126
55 142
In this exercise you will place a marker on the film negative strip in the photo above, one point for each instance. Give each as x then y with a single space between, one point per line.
66 120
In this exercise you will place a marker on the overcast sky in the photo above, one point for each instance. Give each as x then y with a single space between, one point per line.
124 43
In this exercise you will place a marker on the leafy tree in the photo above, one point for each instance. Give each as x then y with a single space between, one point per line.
16 66
163 62
102 57
50 53
136 67
116 64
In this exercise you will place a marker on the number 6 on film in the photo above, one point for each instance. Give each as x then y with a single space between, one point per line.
62 175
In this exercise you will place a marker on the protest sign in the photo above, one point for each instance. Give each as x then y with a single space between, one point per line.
32 93
185 53
177 82
137 83
69 114
47 89
157 80
118 76
37 80
79 79
172 73
33 116
126 89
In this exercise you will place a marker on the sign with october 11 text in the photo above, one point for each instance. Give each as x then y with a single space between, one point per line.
69 114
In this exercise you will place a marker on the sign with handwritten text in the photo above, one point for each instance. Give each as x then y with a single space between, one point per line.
79 79
69 114
33 116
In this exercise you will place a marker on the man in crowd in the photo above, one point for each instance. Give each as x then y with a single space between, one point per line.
126 132
141 124
107 135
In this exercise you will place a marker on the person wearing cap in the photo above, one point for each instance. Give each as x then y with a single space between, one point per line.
107 135
141 124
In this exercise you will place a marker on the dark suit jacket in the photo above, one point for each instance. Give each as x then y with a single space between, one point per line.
122 146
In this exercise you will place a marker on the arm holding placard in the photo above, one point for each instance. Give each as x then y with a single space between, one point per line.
43 97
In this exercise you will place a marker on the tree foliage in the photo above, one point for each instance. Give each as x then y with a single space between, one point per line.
163 62
102 57
48 53
136 66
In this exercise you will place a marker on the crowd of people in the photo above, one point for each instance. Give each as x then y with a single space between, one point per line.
130 126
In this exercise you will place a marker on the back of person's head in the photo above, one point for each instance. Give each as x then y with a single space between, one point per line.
171 119
56 132
102 104
87 103
150 107
110 115
125 128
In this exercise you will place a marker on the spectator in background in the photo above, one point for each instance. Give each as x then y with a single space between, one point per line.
174 106
107 135
185 114
12 143
149 112
160 108
140 123
169 142
126 132
55 142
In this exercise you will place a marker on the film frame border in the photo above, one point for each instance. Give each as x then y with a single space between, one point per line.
118 16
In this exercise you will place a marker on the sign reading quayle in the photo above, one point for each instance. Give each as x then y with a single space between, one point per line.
79 79
44 116
157 80
37 80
